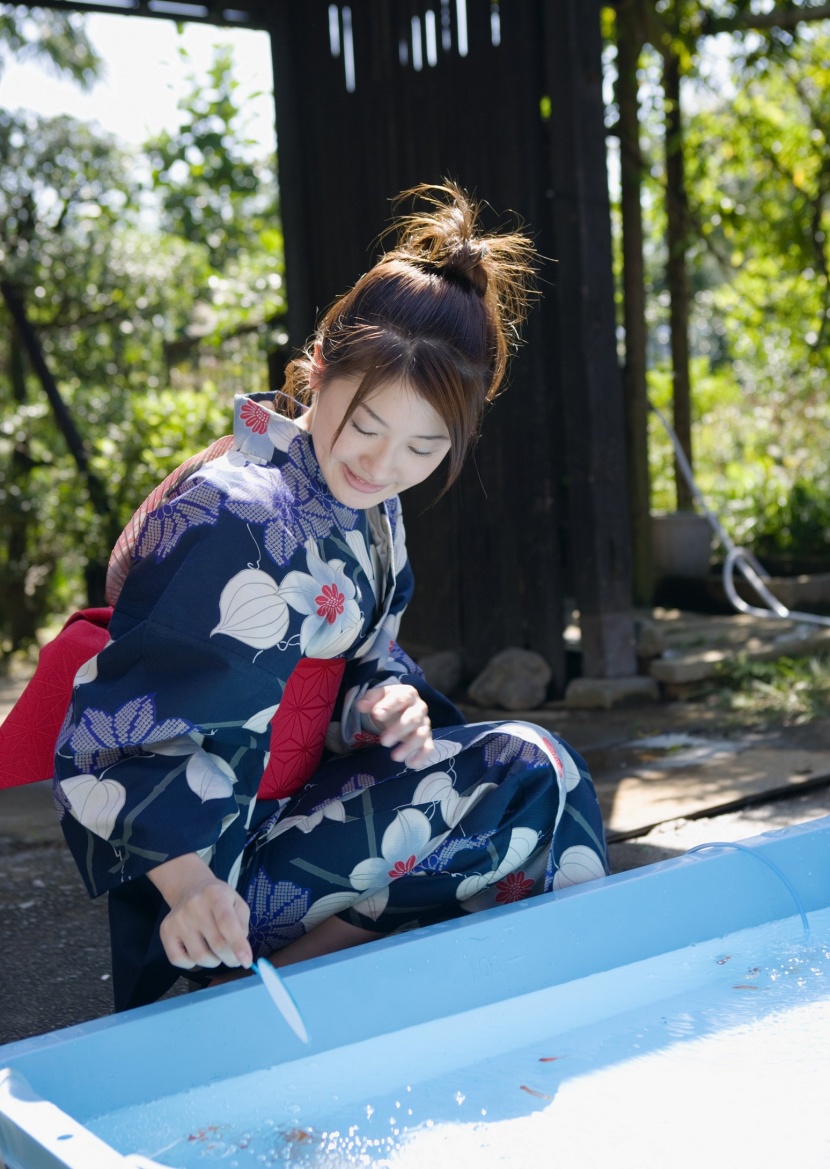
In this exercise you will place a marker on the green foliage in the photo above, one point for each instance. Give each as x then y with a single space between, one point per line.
789 690
211 190
759 178
56 41
757 112
153 304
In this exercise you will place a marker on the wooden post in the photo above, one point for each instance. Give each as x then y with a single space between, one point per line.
588 374
629 48
677 277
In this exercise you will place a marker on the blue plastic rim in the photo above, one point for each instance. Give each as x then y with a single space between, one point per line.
452 971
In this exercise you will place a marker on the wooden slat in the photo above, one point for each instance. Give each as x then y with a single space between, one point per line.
540 510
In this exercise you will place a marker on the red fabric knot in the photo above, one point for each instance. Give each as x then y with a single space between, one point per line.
30 731
299 726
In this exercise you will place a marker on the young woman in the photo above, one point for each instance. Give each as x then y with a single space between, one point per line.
252 765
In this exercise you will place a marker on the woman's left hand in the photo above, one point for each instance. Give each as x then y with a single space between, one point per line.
401 716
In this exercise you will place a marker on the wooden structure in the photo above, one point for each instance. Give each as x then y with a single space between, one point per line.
377 95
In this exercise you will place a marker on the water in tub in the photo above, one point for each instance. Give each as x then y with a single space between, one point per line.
714 1052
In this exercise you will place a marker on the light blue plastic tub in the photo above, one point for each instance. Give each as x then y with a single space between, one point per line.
665 1016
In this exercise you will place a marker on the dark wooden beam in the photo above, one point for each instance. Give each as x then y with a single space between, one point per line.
592 443
229 14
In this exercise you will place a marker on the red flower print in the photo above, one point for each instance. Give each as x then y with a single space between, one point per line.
366 739
330 603
514 887
402 868
255 418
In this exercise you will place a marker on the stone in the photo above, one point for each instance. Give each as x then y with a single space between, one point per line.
650 640
603 693
515 679
442 670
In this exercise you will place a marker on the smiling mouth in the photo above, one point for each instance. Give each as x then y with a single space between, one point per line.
362 484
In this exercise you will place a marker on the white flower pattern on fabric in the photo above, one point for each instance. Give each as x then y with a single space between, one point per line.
406 841
332 810
260 721
522 843
88 672
209 776
438 789
444 749
327 906
576 865
251 610
325 594
94 802
357 543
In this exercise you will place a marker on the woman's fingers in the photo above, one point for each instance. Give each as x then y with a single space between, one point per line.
397 709
208 927
411 747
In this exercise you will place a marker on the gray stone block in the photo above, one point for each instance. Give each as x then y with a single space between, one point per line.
515 679
603 693
442 670
650 640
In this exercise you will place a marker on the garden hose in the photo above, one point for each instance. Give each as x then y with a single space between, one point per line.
736 557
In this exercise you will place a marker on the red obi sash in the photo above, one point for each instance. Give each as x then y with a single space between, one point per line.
29 733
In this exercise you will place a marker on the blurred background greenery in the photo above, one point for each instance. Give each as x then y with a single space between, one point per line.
153 278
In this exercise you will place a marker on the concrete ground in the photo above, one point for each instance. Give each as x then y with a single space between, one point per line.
669 776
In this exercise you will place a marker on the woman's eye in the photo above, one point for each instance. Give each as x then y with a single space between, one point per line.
421 454
360 430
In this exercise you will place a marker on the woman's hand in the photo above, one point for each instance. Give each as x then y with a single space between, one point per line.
401 716
208 920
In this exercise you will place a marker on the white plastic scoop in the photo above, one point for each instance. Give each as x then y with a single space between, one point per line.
281 998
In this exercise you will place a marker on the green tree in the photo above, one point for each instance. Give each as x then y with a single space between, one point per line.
146 335
54 40
671 108
212 190
101 296
217 194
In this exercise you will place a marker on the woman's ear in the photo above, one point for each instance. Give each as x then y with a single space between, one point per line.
316 368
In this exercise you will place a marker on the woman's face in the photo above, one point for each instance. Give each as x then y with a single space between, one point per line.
392 441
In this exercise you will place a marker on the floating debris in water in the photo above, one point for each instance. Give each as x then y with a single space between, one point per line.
297 1136
534 1092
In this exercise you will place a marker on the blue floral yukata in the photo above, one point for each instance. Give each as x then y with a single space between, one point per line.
251 566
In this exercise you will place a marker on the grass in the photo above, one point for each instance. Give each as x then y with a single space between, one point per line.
790 691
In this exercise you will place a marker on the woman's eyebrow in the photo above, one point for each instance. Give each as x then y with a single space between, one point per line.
425 437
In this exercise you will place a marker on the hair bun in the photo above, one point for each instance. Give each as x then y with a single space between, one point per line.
444 238
466 262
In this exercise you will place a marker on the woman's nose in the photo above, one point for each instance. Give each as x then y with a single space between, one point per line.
379 463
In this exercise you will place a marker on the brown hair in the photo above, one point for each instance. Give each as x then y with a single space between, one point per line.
441 310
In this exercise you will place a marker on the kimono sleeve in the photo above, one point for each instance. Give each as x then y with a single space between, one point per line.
162 748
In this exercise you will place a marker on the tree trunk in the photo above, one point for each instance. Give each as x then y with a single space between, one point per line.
629 48
19 619
676 274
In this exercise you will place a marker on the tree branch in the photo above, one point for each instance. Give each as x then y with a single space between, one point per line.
778 18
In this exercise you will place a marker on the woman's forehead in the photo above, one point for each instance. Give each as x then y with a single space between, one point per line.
396 404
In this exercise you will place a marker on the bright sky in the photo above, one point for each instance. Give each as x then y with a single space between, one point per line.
145 77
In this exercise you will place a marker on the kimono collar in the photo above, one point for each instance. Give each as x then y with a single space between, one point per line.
258 430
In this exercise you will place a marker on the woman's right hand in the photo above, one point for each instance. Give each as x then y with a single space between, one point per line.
208 920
